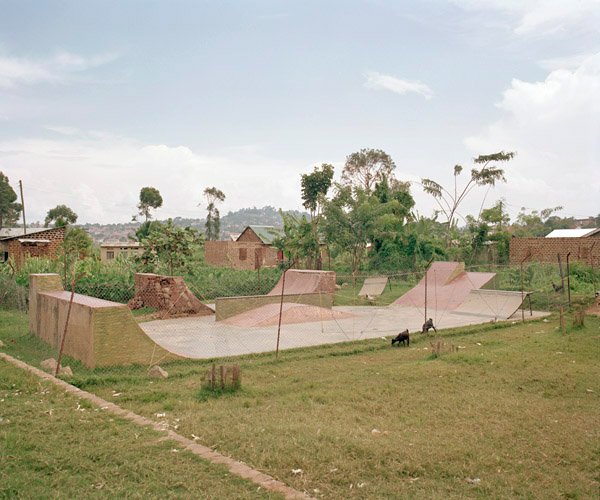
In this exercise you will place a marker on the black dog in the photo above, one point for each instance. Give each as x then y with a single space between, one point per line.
401 338
428 325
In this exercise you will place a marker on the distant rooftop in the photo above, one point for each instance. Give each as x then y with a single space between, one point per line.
573 233
267 234
14 232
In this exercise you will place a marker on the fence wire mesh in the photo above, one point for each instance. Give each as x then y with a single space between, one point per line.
189 322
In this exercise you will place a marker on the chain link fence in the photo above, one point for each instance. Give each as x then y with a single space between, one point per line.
186 324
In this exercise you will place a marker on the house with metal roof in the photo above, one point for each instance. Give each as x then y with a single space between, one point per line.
574 233
260 234
20 244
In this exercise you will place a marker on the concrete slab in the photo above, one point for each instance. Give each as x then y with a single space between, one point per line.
203 338
373 287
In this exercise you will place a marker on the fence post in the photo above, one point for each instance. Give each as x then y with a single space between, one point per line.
280 313
568 279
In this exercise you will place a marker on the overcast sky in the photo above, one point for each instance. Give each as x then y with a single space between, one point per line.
101 98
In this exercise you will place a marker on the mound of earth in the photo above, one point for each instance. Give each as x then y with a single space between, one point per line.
268 315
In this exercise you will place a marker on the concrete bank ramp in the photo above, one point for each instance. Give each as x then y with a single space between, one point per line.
100 332
373 287
268 315
299 281
499 304
448 285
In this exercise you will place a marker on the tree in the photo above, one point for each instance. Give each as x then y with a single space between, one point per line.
213 218
533 223
496 215
149 198
61 215
315 187
487 175
170 244
77 242
367 167
299 240
9 209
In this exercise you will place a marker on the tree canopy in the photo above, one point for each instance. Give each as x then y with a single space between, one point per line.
9 209
315 186
150 198
367 167
61 215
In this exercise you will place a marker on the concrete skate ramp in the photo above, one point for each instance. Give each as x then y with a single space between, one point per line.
448 285
299 281
373 287
268 315
226 307
499 304
100 332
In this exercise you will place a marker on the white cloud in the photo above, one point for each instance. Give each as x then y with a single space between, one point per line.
379 81
541 17
568 62
16 71
554 125
100 175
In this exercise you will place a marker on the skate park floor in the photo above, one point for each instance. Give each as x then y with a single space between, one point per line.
200 337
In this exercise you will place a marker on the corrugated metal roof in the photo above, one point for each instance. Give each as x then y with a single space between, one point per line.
267 234
14 232
573 233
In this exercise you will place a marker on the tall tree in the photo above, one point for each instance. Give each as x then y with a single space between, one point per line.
150 198
450 200
61 215
9 209
315 186
213 217
367 167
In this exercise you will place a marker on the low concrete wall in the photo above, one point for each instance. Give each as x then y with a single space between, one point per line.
100 332
226 307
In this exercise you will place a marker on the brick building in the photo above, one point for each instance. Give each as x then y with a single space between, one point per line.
584 246
253 249
36 242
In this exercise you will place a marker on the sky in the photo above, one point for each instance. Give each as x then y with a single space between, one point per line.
101 98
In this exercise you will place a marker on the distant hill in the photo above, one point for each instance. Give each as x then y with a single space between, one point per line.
233 222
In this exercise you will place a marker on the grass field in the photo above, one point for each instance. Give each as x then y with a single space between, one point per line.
53 445
513 413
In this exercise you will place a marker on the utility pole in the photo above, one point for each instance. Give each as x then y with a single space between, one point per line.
23 207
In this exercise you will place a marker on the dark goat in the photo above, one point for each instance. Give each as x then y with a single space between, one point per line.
557 288
428 325
401 338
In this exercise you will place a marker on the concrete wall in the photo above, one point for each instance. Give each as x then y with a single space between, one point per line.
225 307
546 249
100 332
239 255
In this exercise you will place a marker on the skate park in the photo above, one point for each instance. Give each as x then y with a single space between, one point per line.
300 311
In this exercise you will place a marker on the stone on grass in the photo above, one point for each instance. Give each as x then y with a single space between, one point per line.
157 372
49 365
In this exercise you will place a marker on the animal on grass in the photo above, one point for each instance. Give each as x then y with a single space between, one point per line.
402 338
428 325
557 288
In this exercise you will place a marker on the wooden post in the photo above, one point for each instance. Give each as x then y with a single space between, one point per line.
62 342
280 313
522 295
23 207
568 279
530 308
562 275
425 321
562 320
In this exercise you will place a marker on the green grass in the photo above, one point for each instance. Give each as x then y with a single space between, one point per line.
53 445
517 407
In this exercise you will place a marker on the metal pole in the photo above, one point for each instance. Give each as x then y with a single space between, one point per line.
280 312
569 279
522 296
23 207
62 342
426 295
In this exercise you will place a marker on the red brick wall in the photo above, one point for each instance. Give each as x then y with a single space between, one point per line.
546 249
239 254
20 252
249 236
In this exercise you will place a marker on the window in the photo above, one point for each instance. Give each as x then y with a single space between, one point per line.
243 254
110 255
